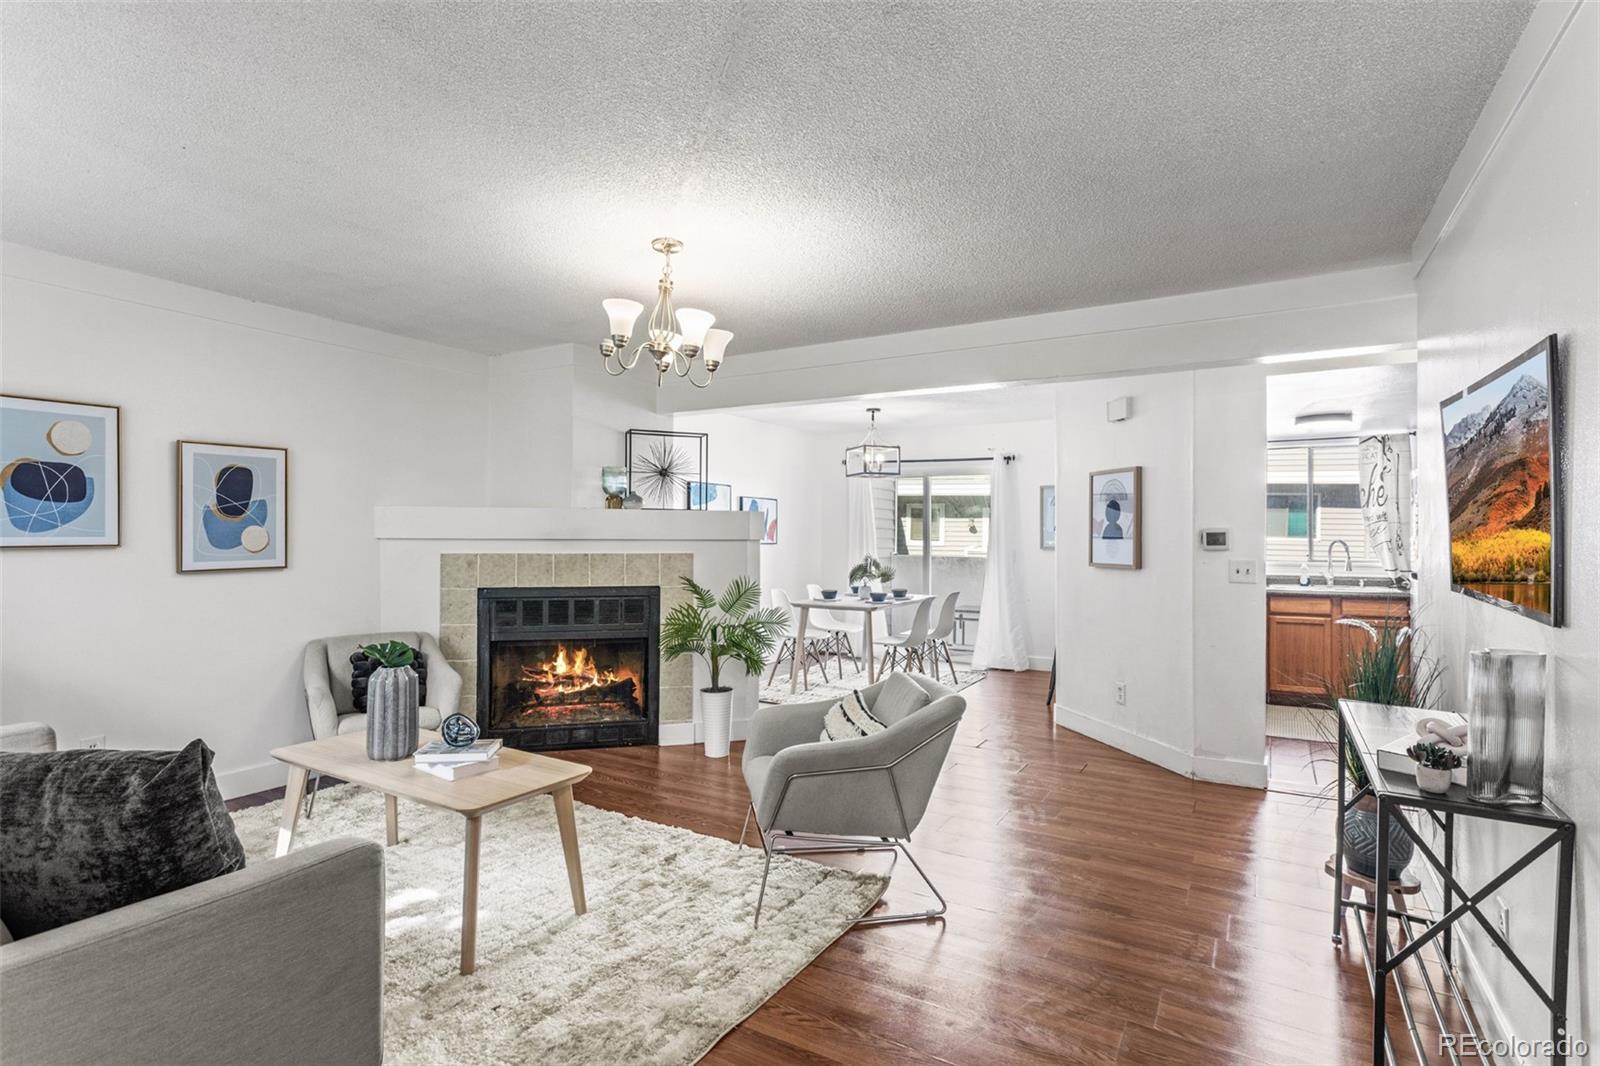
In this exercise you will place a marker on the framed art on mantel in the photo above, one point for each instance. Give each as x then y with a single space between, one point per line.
662 464
767 508
710 496
60 473
232 507
1115 517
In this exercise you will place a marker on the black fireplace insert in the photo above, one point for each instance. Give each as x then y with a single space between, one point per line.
569 667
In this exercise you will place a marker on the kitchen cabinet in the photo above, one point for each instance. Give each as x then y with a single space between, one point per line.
1306 649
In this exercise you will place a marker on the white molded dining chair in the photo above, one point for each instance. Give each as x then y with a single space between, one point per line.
910 644
842 634
814 649
939 636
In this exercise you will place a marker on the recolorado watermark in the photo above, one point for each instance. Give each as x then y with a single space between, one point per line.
1484 1048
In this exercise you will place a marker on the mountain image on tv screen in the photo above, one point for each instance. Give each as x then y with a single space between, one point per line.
1499 442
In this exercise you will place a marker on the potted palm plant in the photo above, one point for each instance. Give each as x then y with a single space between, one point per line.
1395 668
718 629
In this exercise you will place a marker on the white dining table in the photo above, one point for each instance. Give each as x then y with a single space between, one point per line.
846 603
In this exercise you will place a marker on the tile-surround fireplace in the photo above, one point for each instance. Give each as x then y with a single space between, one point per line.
569 667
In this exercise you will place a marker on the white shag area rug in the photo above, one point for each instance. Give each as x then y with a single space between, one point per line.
836 688
663 964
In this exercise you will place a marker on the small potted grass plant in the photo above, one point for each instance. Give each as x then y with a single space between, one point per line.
1434 763
734 627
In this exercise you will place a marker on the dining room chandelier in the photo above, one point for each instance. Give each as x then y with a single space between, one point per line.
675 339
872 458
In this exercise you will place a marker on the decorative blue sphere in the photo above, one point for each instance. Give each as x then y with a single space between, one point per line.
458 731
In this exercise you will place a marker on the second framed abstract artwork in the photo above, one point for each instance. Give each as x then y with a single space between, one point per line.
767 508
232 507
1115 518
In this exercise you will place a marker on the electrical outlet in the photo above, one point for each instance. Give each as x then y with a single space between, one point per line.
1503 919
95 741
1122 692
1242 571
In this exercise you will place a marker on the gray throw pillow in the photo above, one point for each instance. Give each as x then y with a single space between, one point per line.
899 697
87 831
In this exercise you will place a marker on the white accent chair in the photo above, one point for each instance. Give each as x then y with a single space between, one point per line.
326 673
815 649
842 634
939 636
903 647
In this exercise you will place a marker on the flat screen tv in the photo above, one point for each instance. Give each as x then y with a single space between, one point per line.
1502 446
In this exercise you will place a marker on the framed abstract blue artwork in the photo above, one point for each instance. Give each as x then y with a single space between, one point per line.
232 507
710 496
60 473
767 508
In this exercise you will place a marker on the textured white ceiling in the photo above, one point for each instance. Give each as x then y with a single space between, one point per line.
483 174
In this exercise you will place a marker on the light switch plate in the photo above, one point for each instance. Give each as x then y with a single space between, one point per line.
1242 571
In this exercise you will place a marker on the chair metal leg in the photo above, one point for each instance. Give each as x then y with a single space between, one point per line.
765 870
311 797
910 916
745 828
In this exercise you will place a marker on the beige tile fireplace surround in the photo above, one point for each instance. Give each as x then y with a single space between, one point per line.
461 575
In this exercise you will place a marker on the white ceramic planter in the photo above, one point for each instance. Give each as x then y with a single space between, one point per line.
1432 780
716 721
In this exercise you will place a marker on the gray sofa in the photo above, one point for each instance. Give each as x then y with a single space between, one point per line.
847 795
280 962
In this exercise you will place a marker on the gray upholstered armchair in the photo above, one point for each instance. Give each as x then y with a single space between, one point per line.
327 679
847 795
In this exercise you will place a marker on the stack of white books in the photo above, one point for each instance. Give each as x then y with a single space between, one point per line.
452 764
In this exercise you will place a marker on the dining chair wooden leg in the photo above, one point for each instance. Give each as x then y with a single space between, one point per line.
945 644
778 660
936 667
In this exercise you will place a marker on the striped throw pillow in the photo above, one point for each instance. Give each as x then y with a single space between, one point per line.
849 719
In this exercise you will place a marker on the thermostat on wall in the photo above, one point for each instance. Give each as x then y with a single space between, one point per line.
1214 540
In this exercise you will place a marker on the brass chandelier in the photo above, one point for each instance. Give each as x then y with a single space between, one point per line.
675 339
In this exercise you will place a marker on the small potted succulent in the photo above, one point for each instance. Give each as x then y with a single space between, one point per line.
392 698
1434 763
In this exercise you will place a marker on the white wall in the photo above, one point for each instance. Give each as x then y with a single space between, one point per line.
1520 259
112 640
761 459
1189 645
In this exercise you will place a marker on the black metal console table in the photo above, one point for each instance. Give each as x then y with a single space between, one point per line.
1369 726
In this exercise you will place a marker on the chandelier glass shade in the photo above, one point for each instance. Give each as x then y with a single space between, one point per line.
872 458
675 338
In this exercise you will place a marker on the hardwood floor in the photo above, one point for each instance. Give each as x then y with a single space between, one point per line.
1102 910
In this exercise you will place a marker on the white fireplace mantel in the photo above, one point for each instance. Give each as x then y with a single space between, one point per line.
562 524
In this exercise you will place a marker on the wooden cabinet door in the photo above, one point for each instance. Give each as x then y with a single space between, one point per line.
1297 654
1348 640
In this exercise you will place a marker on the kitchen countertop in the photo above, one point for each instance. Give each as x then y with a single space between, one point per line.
1317 588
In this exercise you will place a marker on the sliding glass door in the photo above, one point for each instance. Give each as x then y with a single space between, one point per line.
941 533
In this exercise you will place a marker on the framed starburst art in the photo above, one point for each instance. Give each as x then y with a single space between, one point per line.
662 464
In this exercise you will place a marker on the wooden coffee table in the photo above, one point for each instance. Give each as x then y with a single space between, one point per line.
522 775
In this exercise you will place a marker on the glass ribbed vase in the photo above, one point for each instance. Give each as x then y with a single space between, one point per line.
1505 720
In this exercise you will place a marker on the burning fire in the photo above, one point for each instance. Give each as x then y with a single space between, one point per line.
568 673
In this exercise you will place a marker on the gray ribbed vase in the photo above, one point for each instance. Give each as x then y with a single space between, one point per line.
392 713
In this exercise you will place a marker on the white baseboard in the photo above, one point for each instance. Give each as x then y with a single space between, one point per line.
1039 662
248 779
675 733
1162 754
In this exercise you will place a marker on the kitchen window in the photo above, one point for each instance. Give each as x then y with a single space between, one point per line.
1314 499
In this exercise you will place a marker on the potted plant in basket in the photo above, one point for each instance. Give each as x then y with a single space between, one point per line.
1395 668
392 699
1434 763
734 627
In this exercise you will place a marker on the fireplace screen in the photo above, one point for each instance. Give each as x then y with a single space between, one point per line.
567 682
569 667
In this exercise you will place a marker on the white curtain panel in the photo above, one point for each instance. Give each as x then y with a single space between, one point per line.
1384 493
861 528
1002 640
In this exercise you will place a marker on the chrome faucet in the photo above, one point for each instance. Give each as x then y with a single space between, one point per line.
1347 567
